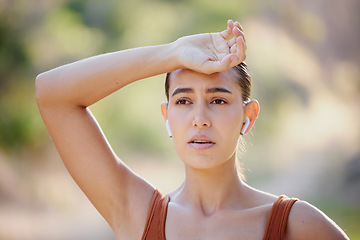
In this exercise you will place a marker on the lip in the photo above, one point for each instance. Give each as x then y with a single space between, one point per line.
201 146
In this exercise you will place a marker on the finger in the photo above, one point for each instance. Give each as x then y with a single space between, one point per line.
238 47
217 66
237 33
242 43
228 33
241 47
237 24
231 42
230 61
230 23
233 48
221 66
225 64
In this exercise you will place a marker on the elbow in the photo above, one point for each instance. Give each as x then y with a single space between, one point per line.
39 88
43 91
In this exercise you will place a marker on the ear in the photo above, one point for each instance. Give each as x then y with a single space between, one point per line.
164 110
252 110
164 113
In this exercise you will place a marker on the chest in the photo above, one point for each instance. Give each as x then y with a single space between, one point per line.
231 225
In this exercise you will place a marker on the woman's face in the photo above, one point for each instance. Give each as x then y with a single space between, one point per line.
205 114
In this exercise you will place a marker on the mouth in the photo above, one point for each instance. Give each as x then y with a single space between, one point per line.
201 142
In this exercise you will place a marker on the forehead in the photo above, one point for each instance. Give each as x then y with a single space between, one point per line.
199 81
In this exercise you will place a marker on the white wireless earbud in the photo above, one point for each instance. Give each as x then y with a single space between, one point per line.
168 128
246 125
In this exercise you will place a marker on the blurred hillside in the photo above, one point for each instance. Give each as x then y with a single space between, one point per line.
304 58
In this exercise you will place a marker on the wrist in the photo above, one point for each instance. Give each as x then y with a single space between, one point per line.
174 49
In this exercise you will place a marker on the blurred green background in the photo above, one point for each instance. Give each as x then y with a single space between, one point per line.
304 57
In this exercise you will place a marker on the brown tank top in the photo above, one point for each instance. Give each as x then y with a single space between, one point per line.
275 229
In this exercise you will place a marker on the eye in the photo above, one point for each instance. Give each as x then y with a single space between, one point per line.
182 102
218 101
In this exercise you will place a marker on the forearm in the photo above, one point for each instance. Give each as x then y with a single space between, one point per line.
87 81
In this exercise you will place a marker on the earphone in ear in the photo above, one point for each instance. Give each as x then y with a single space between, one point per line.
246 125
168 128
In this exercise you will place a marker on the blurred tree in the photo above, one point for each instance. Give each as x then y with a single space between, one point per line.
16 121
13 55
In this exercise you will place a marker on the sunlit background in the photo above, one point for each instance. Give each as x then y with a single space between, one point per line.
304 57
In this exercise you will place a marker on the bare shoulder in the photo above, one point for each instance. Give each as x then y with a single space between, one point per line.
307 222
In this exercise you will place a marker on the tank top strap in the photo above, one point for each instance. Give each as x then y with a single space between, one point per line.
155 222
276 225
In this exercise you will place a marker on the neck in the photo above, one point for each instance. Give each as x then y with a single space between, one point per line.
212 189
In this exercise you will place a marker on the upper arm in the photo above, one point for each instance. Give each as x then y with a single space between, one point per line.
108 183
307 222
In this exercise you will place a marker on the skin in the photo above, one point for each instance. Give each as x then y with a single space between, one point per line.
210 108
213 202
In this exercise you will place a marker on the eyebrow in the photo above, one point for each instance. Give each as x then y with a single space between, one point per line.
182 90
218 89
210 90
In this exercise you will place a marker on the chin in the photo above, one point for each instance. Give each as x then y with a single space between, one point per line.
201 162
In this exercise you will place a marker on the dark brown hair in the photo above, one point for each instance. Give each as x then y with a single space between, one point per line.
244 81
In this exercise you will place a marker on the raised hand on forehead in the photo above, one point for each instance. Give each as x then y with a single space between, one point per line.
213 52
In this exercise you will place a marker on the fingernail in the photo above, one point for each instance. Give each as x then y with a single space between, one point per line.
239 25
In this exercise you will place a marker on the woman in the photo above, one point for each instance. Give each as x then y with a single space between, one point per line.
208 109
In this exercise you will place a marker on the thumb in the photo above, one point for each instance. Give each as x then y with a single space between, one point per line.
228 62
225 64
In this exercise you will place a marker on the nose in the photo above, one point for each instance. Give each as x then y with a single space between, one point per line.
200 117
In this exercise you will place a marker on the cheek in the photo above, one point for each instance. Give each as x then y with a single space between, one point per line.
230 129
178 129
231 133
232 119
178 121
